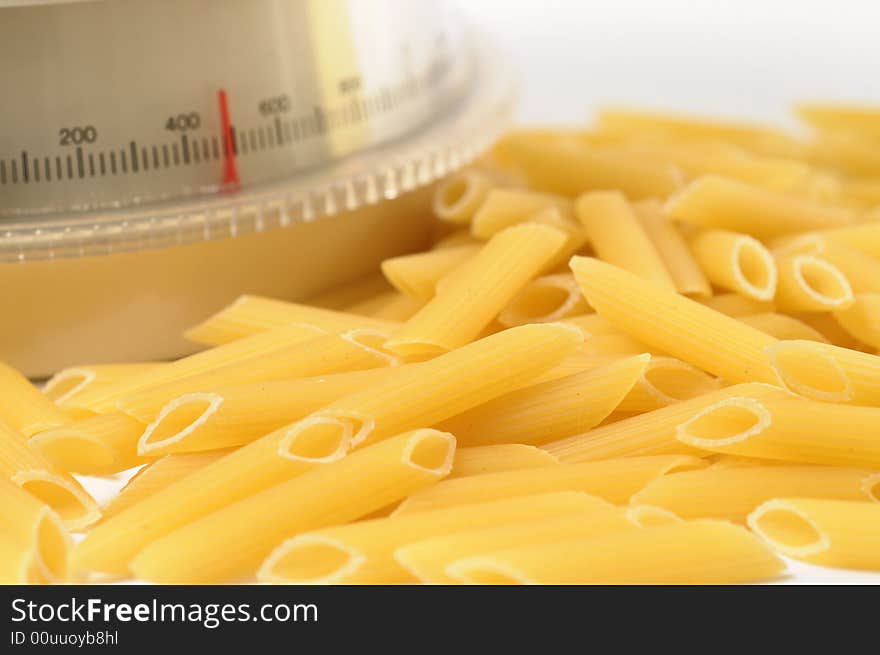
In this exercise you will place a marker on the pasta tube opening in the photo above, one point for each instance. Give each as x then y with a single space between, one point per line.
671 380
650 516
52 546
809 371
79 451
430 450
544 300
486 571
787 529
871 486
75 507
310 559
373 342
319 438
67 383
822 282
179 418
754 269
726 422
458 198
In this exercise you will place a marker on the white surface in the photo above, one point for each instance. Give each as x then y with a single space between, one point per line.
745 58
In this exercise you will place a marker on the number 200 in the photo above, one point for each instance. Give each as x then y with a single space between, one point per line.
77 135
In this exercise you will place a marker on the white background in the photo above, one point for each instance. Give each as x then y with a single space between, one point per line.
743 58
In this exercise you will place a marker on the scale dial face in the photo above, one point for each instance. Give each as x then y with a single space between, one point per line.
119 105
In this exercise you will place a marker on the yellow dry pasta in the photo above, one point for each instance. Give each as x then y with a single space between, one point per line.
664 381
459 196
390 305
784 426
863 237
64 387
549 410
18 563
826 372
615 480
731 493
505 208
233 541
478 460
783 326
827 116
543 300
840 533
861 271
24 407
862 318
717 552
457 314
618 237
736 262
673 249
678 326
417 275
831 329
363 552
733 304
249 315
717 202
811 284
99 445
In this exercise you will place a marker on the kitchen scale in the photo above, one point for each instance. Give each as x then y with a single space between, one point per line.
159 158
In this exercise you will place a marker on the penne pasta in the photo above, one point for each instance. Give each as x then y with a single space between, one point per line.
459 196
417 275
862 319
862 237
549 410
99 445
615 480
232 542
736 262
712 201
618 237
842 533
611 345
327 354
18 563
433 391
593 325
783 426
664 381
363 552
458 313
717 552
861 271
783 326
732 492
826 116
810 284
825 372
831 329
478 460
64 386
250 315
30 470
24 407
391 306
679 326
651 433
544 300
844 152
676 255
733 304
504 208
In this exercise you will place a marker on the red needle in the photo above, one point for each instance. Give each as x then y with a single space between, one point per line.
230 170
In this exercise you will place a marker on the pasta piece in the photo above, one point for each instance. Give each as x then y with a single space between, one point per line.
861 271
717 552
478 460
615 480
825 372
27 468
363 552
677 258
391 306
861 194
717 202
569 168
327 354
618 237
550 410
428 560
664 381
457 314
593 325
109 547
863 237
99 445
810 284
250 315
652 433
156 476
460 195
64 386
841 117
432 391
846 152
840 533
504 208
783 426
30 523
862 319
417 275
736 262
235 416
783 326
731 493
336 298
18 563
231 542
543 300
609 345
679 326
733 304
24 407
831 329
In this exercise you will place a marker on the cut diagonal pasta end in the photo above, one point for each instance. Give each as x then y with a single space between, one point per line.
822 282
311 559
806 369
754 269
670 380
70 501
74 450
177 420
321 439
726 422
52 546
871 487
373 342
789 530
430 450
650 516
68 382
